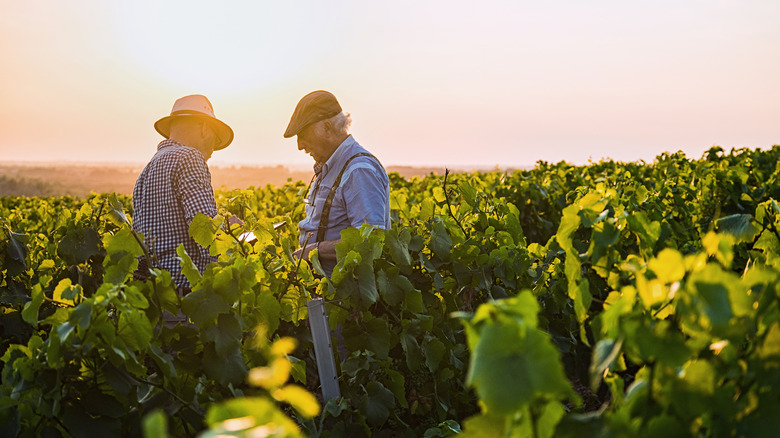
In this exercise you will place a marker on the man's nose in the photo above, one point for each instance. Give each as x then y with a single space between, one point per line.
301 146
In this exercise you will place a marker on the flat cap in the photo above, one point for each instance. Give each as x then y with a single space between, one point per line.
313 107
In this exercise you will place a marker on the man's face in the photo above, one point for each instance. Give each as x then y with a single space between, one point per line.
312 140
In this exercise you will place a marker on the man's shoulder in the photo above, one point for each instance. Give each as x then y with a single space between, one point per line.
362 157
356 153
362 168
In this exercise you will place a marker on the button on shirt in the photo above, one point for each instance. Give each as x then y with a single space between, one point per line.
172 188
362 197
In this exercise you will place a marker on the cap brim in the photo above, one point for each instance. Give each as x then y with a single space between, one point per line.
223 131
295 126
298 122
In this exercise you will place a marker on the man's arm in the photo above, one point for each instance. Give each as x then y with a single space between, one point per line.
194 189
326 249
195 194
367 196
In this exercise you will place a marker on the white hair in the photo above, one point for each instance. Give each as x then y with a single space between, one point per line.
340 122
340 125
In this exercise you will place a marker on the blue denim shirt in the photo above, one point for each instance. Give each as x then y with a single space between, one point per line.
362 197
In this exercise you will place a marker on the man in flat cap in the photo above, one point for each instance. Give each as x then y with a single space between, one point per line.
350 186
176 185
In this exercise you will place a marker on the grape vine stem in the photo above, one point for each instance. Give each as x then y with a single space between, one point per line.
169 392
449 205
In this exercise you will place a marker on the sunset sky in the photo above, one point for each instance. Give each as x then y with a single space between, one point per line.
445 83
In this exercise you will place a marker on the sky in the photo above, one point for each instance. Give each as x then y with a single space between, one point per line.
443 83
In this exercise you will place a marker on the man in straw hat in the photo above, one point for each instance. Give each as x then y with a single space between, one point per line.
350 186
176 185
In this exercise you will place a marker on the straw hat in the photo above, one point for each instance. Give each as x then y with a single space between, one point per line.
196 106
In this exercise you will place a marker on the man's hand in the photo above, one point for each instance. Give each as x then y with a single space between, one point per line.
234 220
326 250
304 252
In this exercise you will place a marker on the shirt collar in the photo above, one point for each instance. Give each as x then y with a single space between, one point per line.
336 156
168 142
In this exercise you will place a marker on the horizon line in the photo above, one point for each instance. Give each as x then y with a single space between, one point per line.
223 164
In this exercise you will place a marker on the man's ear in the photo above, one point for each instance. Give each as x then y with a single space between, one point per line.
328 125
206 132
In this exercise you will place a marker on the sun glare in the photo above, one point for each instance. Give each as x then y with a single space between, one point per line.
229 48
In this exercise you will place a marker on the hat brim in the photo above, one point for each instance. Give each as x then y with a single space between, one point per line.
223 131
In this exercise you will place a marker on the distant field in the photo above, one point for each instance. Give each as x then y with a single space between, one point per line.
81 179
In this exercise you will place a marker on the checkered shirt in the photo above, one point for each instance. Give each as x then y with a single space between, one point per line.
172 188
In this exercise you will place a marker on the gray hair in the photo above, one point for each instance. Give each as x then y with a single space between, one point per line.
340 122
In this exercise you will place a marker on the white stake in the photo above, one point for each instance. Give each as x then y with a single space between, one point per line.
323 351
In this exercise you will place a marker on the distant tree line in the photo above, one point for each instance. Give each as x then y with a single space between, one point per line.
20 186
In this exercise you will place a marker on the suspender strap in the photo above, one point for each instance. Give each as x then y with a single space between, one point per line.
325 216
